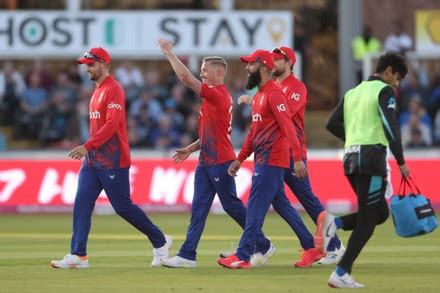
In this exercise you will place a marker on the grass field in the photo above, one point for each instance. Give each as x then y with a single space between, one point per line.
120 258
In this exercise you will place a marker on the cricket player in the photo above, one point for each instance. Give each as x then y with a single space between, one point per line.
106 166
365 119
270 138
216 154
297 96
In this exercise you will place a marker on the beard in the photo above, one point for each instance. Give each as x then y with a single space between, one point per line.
253 80
279 72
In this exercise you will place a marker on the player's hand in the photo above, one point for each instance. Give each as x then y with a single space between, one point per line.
300 170
164 45
233 168
181 155
78 153
404 170
245 99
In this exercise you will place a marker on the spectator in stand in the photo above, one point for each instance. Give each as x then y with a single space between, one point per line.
434 108
176 117
65 85
146 98
361 46
130 78
398 41
57 119
412 87
144 125
33 104
82 113
415 133
178 93
38 68
12 86
415 106
153 83
164 136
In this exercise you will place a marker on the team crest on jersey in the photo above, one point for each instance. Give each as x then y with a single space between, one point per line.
392 103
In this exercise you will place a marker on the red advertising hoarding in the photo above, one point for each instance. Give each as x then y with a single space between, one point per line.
158 183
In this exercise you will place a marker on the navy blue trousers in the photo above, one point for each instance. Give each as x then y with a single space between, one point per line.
116 184
303 191
208 181
268 188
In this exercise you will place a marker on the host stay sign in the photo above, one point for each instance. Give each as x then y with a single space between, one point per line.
49 34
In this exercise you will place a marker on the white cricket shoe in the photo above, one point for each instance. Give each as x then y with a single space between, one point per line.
344 281
178 262
258 259
162 252
71 261
332 257
328 230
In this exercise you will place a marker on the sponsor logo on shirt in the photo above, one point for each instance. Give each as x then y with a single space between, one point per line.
114 106
295 96
94 115
281 108
257 118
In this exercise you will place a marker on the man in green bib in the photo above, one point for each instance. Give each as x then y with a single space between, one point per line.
365 119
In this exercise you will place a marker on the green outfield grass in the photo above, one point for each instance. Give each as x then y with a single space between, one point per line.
120 258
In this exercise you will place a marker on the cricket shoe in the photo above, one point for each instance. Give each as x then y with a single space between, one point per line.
328 230
178 262
308 257
71 261
258 259
344 281
162 252
333 257
233 262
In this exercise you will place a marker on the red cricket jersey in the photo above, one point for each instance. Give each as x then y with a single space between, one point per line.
297 97
215 119
272 133
108 144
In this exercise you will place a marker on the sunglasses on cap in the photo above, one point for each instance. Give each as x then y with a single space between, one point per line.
90 55
281 52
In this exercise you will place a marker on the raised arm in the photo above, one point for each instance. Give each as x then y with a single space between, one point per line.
182 72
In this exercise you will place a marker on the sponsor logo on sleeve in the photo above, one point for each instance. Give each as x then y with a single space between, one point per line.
281 108
295 96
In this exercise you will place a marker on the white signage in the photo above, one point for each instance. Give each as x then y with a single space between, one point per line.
62 34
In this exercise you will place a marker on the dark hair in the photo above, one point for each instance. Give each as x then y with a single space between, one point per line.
395 60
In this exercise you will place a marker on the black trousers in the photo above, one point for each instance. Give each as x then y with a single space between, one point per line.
372 211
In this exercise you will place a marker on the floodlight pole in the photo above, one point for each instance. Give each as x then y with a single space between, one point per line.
350 25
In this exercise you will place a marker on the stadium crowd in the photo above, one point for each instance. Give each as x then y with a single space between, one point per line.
52 107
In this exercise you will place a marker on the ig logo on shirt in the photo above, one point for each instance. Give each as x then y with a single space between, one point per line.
281 108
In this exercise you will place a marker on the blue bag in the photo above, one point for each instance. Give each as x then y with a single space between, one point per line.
412 213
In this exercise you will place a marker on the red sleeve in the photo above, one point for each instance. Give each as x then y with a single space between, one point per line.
298 99
114 113
278 104
246 149
211 93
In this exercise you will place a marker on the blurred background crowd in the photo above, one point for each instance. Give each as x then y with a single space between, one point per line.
44 103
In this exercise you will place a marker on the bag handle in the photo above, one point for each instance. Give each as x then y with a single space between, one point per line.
402 187
408 181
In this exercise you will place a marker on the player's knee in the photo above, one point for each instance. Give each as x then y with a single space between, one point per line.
383 215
